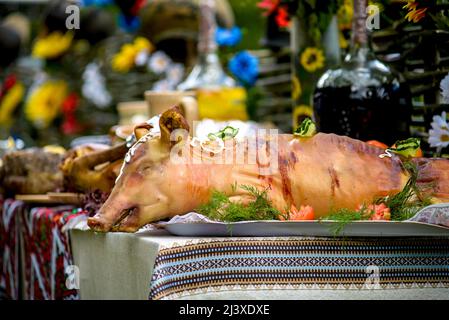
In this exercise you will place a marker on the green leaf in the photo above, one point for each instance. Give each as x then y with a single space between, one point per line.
220 208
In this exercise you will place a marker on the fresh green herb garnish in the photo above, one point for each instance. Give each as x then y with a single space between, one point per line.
306 129
227 133
344 216
410 200
221 208
402 205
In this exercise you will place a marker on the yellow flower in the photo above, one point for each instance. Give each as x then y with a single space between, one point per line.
300 113
343 42
123 61
312 59
10 101
380 6
296 88
344 14
414 14
45 102
53 45
141 43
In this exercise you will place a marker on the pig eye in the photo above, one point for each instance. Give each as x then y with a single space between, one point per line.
146 169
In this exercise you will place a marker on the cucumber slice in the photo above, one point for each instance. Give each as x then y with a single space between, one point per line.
407 148
227 133
212 136
306 129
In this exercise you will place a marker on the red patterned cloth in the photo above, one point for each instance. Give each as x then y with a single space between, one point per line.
47 255
9 247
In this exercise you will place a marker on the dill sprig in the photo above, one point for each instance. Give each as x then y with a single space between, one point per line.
409 200
344 216
221 208
403 205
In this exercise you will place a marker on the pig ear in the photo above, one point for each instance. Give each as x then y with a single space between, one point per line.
142 129
171 120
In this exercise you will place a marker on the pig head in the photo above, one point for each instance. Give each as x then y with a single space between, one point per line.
149 181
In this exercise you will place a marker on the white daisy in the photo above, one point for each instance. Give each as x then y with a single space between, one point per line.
175 73
439 138
444 86
141 58
94 86
440 122
439 134
159 62
163 85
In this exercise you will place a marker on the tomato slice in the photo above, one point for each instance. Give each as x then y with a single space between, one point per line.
378 144
304 213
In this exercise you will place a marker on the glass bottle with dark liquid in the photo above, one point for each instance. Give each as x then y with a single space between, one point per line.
363 99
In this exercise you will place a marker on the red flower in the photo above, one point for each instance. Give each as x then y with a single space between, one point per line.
139 4
9 82
70 103
282 18
71 125
269 5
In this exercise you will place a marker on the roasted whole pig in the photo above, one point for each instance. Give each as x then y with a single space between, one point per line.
165 175
92 167
31 171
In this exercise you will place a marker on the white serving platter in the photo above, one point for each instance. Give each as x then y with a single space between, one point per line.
307 228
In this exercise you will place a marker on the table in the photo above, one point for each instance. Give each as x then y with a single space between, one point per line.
156 265
35 251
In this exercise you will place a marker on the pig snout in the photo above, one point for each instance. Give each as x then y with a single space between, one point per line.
112 211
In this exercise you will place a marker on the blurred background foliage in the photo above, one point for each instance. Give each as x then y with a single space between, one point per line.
248 17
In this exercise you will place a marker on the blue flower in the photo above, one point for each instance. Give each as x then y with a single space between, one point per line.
228 37
245 67
100 3
128 23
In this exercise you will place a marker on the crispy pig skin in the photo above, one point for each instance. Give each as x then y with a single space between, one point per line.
326 171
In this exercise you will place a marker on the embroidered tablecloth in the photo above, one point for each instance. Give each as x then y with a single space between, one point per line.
156 265
9 247
46 251
210 265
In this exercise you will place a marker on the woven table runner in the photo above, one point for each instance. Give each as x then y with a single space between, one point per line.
300 263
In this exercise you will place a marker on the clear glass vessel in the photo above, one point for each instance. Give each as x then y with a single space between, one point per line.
364 98
207 72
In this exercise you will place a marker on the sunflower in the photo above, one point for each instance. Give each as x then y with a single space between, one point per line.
52 45
414 14
312 59
10 101
296 88
45 102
